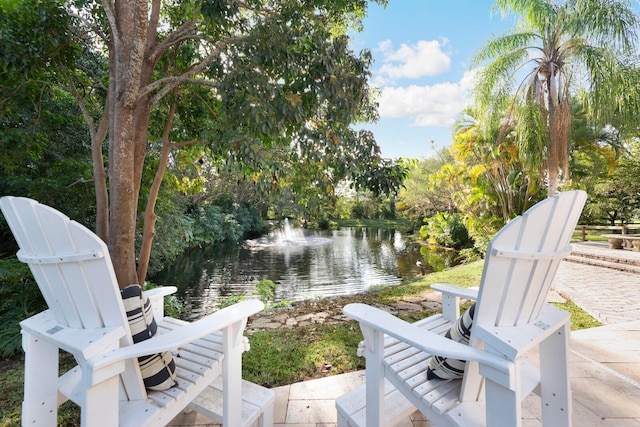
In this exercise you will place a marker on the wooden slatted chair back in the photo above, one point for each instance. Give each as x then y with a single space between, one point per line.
522 260
70 264
73 270
520 265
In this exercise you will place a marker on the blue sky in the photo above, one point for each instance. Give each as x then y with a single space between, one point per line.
421 52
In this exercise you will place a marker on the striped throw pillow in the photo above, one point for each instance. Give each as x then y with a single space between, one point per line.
445 367
158 370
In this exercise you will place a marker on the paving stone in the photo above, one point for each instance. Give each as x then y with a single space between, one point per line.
305 317
280 317
432 305
407 306
291 322
311 411
604 401
415 300
260 321
272 325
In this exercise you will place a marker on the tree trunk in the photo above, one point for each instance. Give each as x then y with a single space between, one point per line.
149 214
128 121
122 209
98 136
552 159
100 177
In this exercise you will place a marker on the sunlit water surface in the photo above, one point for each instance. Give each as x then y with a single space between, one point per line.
303 264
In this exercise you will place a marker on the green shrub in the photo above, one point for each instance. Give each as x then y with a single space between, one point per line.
265 291
172 306
446 230
358 211
20 298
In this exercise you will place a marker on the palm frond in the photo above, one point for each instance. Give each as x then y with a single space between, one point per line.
531 136
535 12
497 46
497 78
606 21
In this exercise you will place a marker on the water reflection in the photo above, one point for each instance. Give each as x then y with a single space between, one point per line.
304 265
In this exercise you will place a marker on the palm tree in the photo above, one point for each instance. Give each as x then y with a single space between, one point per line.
556 51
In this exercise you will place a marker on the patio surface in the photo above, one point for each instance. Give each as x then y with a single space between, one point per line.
604 361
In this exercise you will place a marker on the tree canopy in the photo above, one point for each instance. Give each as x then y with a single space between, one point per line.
269 86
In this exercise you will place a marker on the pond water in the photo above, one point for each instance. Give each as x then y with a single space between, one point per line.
304 264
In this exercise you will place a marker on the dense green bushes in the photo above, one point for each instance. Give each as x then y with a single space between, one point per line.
446 230
20 298
203 225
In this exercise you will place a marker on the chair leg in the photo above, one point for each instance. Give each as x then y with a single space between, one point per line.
101 404
266 418
232 375
554 379
504 406
374 353
40 405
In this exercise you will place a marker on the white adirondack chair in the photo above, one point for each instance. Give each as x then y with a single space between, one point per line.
518 342
86 318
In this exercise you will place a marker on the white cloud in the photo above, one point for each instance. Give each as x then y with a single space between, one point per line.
435 105
425 58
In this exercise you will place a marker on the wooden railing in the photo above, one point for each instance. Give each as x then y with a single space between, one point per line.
623 229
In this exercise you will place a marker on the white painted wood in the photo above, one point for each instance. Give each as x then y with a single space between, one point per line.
374 352
451 299
352 407
40 381
86 317
555 389
156 297
512 324
257 404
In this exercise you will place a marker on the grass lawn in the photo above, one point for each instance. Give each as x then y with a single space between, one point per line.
377 223
285 356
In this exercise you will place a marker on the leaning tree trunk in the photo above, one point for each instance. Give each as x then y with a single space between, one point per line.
98 136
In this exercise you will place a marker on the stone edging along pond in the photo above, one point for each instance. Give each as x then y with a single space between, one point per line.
329 310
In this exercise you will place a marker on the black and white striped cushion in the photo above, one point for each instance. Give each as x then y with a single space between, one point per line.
158 370
445 367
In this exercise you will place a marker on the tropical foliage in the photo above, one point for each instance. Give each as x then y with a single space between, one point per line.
557 51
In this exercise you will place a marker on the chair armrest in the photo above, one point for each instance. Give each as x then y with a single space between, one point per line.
456 291
451 295
161 291
184 335
156 296
82 343
428 342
